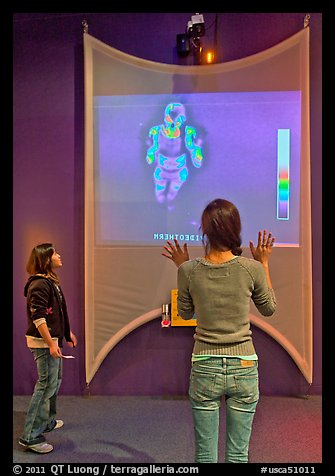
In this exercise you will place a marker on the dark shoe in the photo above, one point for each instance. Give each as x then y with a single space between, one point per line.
38 447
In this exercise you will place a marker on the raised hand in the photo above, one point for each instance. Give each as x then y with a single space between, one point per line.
264 247
175 253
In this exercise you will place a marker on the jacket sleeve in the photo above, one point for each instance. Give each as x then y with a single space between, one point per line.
185 305
67 330
38 299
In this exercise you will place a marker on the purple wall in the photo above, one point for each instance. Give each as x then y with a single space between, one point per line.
48 177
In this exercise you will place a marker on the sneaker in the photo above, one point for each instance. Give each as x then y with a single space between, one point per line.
59 424
39 447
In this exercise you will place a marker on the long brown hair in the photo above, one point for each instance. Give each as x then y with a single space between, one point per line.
40 262
221 227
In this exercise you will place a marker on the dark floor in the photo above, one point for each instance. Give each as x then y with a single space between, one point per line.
101 429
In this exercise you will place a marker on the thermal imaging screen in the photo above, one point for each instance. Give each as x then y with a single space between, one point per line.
159 159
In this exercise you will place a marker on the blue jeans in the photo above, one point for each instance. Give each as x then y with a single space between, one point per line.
41 412
237 380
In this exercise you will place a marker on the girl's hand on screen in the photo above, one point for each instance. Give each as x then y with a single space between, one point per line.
175 253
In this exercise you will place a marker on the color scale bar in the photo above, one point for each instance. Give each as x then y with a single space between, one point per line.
283 174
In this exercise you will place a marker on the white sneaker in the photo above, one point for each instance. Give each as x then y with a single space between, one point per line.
59 424
39 447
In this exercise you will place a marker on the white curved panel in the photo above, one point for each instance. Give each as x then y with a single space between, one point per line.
301 362
122 282
118 336
155 313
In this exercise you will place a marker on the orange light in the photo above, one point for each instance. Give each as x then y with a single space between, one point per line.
209 57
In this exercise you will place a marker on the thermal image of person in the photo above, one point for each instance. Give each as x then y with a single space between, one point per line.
171 144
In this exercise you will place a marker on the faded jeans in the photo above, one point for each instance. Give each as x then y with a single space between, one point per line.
237 380
41 413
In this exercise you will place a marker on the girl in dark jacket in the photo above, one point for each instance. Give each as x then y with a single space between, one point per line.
48 325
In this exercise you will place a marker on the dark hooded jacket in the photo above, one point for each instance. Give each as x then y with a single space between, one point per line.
45 299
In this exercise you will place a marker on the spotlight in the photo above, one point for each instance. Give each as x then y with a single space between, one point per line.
196 26
190 41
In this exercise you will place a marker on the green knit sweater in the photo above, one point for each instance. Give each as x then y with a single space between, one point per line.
218 296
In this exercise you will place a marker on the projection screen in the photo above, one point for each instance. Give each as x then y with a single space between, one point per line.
246 127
